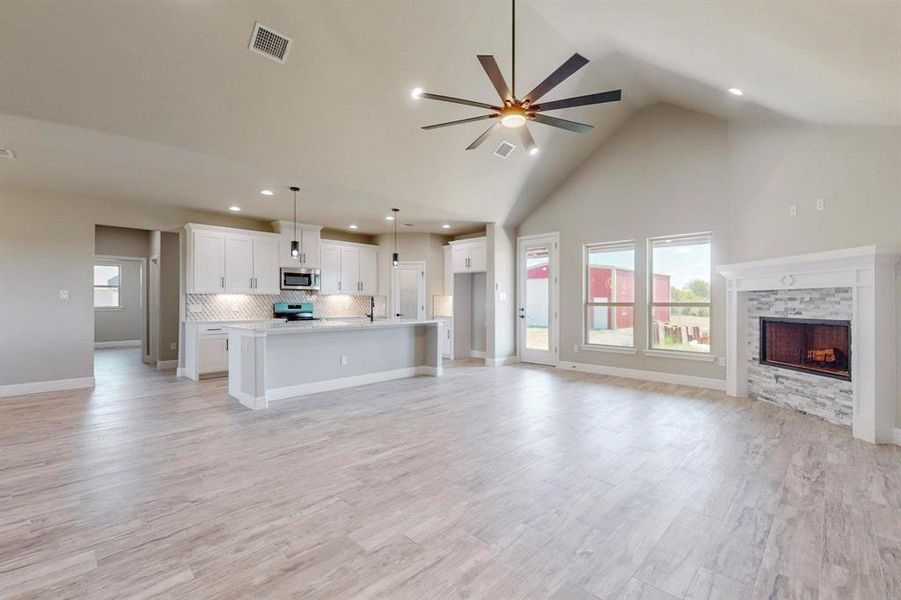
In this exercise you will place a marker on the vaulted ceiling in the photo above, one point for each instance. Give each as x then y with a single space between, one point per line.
162 102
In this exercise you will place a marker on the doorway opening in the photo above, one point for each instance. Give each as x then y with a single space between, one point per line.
538 297
136 286
408 290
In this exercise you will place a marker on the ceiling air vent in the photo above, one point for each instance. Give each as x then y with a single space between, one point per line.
270 43
6 153
504 149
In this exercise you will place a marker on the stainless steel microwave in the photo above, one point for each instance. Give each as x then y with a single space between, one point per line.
299 279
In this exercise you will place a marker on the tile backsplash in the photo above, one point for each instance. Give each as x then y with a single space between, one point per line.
234 307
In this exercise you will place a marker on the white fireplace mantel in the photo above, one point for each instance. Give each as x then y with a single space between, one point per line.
870 274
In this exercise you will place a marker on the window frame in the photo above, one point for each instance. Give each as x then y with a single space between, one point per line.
119 287
651 305
586 285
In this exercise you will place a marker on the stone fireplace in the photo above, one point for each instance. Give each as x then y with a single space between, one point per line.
816 333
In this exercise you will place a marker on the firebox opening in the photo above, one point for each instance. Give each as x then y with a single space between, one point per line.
822 347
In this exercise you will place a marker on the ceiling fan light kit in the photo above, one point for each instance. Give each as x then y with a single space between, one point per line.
515 112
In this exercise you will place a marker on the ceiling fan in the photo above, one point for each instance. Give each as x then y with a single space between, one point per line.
515 112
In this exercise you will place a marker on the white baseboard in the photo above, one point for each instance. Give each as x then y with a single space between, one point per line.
118 344
476 354
896 436
657 376
162 365
37 387
328 385
500 362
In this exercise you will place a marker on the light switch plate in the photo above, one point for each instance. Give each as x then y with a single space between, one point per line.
821 203
64 294
793 210
344 360
721 361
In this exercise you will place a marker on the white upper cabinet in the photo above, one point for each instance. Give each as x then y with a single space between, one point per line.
349 283
330 268
307 235
235 261
239 264
348 268
369 271
266 265
469 256
206 262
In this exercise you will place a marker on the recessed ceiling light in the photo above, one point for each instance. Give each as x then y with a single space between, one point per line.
445 226
416 93
533 151
267 192
736 92
389 218
351 226
234 208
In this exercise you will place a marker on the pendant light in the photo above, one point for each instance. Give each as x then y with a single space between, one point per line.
395 257
295 245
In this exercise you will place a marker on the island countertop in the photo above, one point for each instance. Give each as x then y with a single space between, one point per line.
292 327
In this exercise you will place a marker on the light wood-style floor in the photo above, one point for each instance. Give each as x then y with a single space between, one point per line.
516 482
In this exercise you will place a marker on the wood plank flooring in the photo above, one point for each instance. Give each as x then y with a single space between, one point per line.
515 482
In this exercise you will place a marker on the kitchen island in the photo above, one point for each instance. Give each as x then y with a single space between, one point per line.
273 361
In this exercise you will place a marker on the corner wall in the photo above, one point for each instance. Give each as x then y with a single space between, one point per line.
47 244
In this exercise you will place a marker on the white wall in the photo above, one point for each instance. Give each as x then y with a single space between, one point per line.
670 171
501 285
47 244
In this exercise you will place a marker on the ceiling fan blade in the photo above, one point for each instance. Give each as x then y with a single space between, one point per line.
494 74
528 142
470 120
573 64
458 101
561 123
611 96
483 137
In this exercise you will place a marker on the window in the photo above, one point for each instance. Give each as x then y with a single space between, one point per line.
610 294
680 293
107 281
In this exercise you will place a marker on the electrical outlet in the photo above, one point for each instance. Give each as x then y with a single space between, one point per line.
173 346
575 347
195 308
64 294
721 361
821 203
343 360
793 210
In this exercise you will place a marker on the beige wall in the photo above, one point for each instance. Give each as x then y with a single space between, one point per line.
47 244
426 247
670 171
663 173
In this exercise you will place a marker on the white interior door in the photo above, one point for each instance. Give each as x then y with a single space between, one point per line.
537 279
408 290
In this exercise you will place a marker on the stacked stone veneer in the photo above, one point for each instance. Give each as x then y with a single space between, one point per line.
234 307
826 397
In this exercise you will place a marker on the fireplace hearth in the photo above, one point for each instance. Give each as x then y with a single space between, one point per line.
817 346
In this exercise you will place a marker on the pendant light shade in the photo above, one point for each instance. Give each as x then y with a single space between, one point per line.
395 258
295 245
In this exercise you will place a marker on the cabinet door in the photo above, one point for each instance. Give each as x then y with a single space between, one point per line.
239 264
266 265
369 271
330 268
212 354
478 257
350 271
460 258
208 263
309 248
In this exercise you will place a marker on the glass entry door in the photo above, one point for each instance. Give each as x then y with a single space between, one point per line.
537 308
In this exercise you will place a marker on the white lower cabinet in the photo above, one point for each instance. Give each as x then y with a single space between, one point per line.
212 354
447 341
348 268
